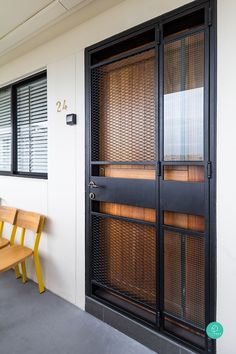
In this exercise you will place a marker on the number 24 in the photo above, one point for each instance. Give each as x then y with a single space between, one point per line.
61 106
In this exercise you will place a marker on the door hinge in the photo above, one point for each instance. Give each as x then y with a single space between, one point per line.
158 36
209 169
210 346
158 319
210 17
159 169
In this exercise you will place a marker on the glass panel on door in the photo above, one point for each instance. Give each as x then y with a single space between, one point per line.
184 99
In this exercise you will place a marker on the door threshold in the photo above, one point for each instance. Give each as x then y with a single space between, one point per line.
156 341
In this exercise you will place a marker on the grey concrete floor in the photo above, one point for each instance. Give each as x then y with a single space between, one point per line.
34 324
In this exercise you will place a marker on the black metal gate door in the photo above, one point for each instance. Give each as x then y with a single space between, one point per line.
122 186
149 172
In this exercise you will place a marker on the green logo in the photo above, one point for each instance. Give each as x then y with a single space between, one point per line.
214 330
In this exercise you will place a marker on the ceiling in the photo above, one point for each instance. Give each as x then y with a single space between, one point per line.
24 24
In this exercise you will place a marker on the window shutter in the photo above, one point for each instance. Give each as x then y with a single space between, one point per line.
32 127
5 130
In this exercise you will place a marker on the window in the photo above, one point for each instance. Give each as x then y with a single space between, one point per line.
5 130
23 128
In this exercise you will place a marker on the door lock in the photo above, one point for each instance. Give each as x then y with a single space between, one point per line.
92 196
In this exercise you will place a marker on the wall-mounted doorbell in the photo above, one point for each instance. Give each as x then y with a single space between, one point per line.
71 119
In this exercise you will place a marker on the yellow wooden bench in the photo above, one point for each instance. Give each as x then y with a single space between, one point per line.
7 215
11 257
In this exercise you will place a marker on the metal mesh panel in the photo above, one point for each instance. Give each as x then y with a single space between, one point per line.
123 109
184 277
124 258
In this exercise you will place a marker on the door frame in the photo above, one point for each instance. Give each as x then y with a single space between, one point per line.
212 105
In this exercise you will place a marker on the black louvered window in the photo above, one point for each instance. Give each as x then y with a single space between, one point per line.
32 127
23 128
5 130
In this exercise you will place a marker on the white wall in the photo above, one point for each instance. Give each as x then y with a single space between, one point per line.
61 198
226 190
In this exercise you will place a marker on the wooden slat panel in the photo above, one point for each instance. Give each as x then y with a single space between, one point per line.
184 173
185 221
128 171
128 211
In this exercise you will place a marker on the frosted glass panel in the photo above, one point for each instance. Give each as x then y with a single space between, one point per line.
184 99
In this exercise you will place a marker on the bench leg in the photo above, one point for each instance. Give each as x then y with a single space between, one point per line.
17 272
38 273
24 277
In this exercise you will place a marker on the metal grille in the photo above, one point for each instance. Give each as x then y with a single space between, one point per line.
123 109
124 258
184 277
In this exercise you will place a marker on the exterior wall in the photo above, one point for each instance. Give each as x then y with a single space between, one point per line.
61 197
226 191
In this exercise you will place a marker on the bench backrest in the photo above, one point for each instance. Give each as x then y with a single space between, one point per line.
7 215
27 220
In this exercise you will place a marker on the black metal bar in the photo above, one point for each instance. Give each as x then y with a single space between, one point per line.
165 18
123 163
158 167
174 38
183 275
136 192
184 322
116 217
207 135
88 229
115 291
183 163
183 231
160 157
213 155
121 56
183 197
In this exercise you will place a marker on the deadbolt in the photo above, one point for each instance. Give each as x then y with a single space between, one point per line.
91 196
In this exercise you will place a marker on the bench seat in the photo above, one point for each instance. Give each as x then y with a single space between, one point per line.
4 242
11 256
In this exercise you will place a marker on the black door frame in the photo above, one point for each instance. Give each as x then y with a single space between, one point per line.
211 163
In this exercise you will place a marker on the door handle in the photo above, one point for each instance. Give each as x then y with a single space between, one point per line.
93 185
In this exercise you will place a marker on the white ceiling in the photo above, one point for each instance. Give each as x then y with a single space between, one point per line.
23 21
13 13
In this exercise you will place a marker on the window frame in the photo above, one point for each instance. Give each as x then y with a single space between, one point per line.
13 88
